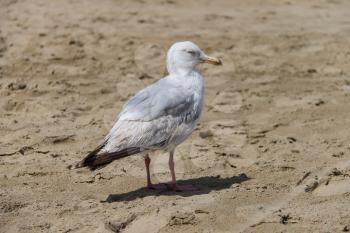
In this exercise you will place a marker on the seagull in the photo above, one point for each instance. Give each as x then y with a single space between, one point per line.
159 117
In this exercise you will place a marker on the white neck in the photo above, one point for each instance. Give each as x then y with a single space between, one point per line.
176 66
180 69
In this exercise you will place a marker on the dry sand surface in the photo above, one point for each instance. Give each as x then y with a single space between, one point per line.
271 153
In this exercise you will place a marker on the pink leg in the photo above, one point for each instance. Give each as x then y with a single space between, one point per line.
149 183
177 187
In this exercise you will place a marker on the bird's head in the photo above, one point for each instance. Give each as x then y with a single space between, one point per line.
184 56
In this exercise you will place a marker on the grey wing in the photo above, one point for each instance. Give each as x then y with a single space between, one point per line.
159 99
153 116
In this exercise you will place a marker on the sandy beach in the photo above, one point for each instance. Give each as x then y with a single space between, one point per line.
271 152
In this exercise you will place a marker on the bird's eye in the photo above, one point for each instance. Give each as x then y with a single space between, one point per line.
193 53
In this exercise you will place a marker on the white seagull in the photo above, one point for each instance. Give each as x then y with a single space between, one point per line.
159 117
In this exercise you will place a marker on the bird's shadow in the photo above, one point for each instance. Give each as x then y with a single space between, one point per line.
204 184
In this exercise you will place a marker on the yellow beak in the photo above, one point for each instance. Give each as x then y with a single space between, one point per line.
212 60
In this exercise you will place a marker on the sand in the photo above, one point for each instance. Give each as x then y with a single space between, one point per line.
271 153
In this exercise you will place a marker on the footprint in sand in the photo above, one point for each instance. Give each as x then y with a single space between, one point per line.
13 105
295 103
263 80
246 211
227 101
333 188
227 145
229 133
65 70
169 215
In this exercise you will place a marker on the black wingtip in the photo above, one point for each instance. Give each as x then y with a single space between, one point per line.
88 160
